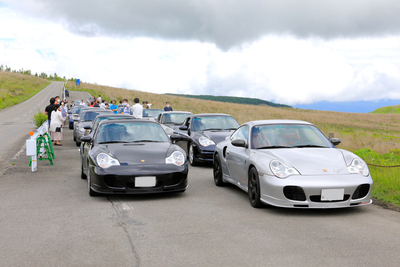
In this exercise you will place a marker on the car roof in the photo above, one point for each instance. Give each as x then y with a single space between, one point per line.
176 112
133 120
113 115
210 115
264 122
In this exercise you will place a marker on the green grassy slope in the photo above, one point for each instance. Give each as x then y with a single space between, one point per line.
387 110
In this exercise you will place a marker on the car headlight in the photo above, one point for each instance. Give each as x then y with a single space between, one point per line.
176 158
358 166
204 141
81 129
168 130
106 161
282 170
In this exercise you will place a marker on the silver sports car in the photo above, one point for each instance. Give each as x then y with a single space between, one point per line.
291 164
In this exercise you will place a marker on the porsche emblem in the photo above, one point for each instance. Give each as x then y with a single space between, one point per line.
325 170
142 160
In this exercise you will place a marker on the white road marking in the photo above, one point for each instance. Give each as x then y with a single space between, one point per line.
19 152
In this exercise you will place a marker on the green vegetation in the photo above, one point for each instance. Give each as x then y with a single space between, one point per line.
234 99
16 88
387 110
39 118
386 180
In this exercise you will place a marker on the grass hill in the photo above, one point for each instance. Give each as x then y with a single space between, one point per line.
16 88
234 99
387 110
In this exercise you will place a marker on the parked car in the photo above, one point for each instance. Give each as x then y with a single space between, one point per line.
133 156
201 132
74 115
151 113
173 119
291 164
86 119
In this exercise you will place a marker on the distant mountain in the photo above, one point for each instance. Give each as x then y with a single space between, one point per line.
350 106
235 99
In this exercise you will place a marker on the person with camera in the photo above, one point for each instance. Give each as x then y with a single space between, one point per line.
56 124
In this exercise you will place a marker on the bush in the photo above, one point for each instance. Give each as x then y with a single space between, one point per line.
39 118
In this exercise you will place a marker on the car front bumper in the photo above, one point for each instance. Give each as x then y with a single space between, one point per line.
300 191
121 179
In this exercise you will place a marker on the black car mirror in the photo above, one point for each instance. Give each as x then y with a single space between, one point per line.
335 141
175 137
183 128
87 127
86 139
238 142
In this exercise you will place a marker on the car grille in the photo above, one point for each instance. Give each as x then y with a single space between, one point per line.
317 198
294 193
361 191
129 181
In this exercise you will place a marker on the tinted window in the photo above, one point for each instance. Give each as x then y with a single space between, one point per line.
214 123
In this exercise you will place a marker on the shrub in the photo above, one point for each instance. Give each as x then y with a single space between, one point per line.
39 118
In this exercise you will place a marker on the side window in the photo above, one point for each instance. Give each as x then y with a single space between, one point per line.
241 133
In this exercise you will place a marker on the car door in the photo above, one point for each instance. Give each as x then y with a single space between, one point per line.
184 135
236 157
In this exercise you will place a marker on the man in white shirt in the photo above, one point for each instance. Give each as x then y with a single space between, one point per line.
82 103
103 104
137 109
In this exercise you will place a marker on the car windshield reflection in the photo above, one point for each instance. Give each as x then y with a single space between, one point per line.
217 123
130 133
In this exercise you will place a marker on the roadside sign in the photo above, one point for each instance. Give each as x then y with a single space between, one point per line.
78 82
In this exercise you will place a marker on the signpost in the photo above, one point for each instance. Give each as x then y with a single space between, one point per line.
78 82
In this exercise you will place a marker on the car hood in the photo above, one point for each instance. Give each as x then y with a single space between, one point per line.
216 136
312 161
138 153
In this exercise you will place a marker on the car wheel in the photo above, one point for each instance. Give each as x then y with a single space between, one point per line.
217 171
254 189
192 158
89 182
83 175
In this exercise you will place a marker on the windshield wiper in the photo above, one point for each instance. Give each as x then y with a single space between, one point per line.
263 147
111 142
310 146
144 140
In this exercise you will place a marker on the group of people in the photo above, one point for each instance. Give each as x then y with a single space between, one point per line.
56 113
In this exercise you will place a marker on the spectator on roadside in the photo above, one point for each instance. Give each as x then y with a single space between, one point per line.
97 104
127 108
58 100
137 109
168 107
147 105
56 125
72 104
107 106
103 104
91 104
114 107
64 110
82 103
99 98
49 109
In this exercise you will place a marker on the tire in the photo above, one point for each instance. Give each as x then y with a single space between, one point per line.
90 190
192 157
254 189
83 175
217 171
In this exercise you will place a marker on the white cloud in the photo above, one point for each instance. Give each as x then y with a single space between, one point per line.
275 67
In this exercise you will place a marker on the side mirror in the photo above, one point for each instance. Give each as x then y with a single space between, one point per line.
86 139
183 128
87 127
238 142
175 137
335 141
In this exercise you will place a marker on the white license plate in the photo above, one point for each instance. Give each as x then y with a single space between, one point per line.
145 181
332 194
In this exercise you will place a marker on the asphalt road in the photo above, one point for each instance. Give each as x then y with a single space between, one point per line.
48 219
17 121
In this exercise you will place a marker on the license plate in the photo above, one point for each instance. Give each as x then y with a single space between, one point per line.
145 181
332 194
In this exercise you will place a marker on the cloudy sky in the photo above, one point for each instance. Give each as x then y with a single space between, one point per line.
291 52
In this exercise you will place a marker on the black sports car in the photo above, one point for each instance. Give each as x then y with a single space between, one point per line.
201 132
133 156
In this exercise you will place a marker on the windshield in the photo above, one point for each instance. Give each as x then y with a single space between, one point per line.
89 116
77 109
98 120
214 123
151 112
129 132
174 118
287 135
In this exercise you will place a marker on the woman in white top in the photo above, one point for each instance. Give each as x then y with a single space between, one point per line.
56 124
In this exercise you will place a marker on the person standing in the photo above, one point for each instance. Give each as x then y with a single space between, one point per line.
127 108
56 125
103 104
49 109
137 109
114 107
64 110
82 103
168 107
